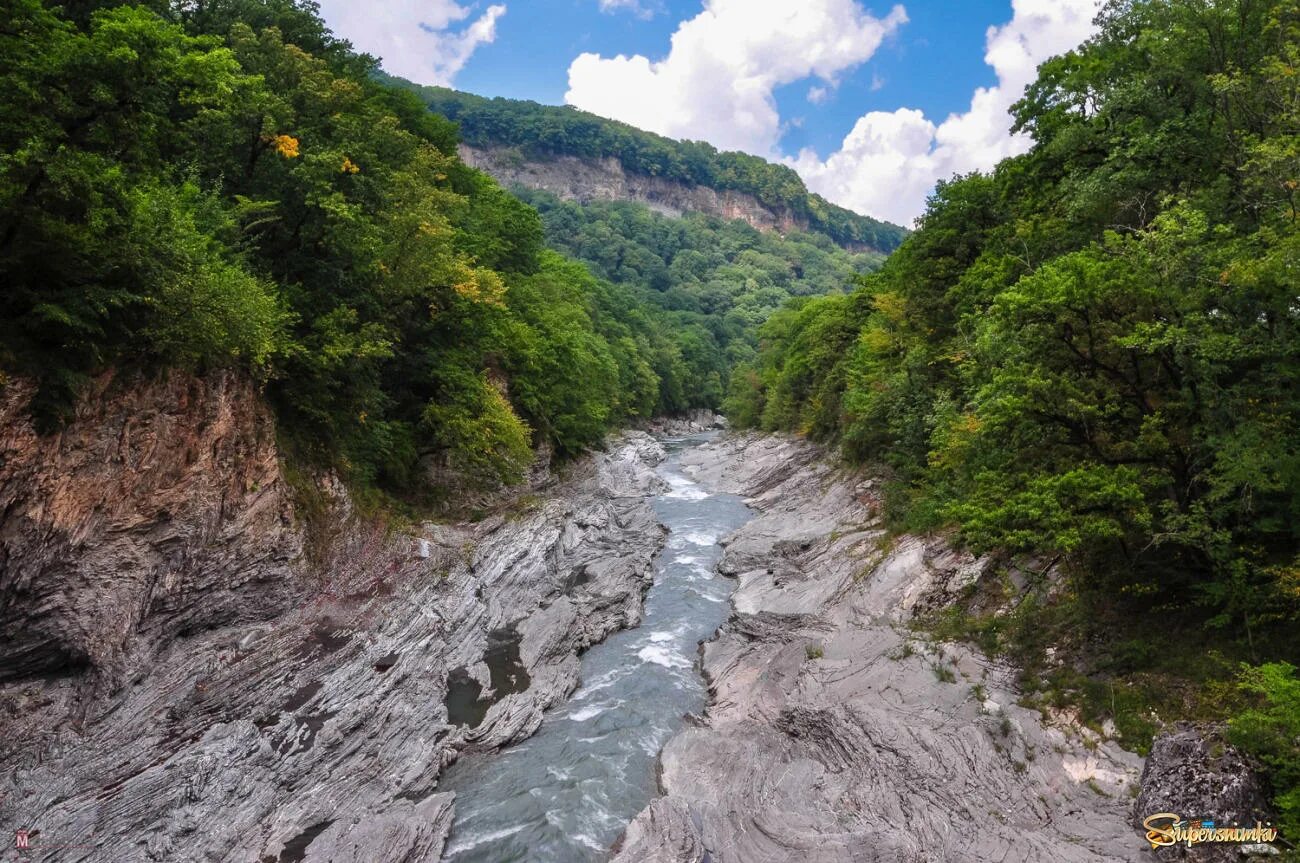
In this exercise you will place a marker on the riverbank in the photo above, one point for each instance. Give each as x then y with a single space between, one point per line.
835 732
188 686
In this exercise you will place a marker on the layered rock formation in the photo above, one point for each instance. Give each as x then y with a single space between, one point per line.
835 733
133 523
183 683
584 180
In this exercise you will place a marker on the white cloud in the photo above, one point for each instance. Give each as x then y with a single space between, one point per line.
645 11
890 161
818 95
414 38
717 80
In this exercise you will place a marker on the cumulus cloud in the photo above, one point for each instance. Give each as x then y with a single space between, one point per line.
423 40
890 161
717 80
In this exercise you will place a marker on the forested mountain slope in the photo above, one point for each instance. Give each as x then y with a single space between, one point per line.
716 280
581 156
1091 356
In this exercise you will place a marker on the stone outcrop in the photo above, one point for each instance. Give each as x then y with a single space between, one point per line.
584 180
1193 772
133 523
183 683
835 733
692 422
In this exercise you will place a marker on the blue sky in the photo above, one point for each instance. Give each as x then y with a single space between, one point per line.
870 102
933 62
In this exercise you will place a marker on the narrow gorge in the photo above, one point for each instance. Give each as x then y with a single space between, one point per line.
196 675
737 431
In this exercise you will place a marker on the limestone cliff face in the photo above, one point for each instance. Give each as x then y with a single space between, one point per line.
574 179
178 682
158 510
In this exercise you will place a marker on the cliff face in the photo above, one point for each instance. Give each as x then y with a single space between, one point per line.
160 509
182 685
574 179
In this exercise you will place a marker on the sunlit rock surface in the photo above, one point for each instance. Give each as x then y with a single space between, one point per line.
834 733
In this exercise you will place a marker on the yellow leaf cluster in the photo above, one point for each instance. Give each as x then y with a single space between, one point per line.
892 306
286 145
349 167
1288 580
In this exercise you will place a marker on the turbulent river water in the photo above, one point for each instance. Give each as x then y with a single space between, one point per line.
566 793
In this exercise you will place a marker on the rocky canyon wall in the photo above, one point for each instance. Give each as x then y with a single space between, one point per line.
183 683
159 509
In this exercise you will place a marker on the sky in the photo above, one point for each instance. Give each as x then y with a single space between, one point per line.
871 103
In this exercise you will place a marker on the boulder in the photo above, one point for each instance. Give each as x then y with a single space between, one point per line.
1194 772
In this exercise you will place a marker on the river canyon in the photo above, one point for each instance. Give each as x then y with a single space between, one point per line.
695 646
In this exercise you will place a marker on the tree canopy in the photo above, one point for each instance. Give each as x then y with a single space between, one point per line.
225 183
1093 353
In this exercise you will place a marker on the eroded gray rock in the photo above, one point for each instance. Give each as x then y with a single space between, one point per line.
836 735
1194 772
692 422
186 685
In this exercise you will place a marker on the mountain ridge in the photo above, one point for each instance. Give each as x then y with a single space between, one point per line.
581 156
572 178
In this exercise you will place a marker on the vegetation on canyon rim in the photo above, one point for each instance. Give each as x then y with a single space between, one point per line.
1088 355
531 130
215 183
1092 354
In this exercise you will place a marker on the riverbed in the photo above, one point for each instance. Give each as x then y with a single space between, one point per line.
567 793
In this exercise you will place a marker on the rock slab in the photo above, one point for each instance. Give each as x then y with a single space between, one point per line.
835 734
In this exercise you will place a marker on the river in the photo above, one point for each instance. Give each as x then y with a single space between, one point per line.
565 794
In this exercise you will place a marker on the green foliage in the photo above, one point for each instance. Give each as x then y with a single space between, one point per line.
110 250
226 183
1093 353
203 305
544 131
563 374
708 281
1269 731
476 430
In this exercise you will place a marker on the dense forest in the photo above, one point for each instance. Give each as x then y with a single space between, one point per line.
1092 356
203 184
542 131
714 280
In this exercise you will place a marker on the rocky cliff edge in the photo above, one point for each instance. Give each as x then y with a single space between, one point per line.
180 683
